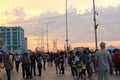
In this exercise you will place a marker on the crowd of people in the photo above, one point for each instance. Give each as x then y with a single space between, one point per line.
82 63
30 62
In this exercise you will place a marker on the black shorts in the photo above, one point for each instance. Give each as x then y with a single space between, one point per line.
83 71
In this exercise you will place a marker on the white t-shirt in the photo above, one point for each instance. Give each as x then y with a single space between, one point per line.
103 57
11 58
77 58
17 58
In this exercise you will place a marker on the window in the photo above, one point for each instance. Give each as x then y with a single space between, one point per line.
15 48
3 30
8 29
8 39
14 39
14 42
8 43
9 48
8 33
14 29
14 33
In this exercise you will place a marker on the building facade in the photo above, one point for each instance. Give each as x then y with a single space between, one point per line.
1 41
13 39
25 42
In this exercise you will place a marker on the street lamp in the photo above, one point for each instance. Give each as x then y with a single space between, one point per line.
95 25
37 38
67 44
46 23
41 39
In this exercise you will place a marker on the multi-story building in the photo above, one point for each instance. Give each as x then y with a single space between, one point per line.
25 42
1 41
13 39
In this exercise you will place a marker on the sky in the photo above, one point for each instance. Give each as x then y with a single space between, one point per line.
29 14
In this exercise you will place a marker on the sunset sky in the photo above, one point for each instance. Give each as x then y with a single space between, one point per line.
80 20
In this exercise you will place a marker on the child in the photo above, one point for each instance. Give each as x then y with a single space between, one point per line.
83 68
66 61
91 61
79 69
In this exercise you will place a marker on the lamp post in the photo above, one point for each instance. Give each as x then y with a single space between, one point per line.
37 34
46 23
95 25
40 41
67 44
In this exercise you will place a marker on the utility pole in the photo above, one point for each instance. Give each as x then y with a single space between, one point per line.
67 43
46 23
42 41
55 45
36 38
95 25
38 35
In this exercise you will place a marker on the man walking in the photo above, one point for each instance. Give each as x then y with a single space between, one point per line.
103 60
33 63
17 61
27 65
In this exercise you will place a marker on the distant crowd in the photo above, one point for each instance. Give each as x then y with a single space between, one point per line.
82 63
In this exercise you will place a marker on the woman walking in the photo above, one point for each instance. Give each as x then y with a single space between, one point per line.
8 66
39 64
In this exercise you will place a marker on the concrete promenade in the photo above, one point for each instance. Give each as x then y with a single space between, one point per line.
48 74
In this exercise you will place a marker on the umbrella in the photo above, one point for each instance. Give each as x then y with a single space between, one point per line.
3 52
111 47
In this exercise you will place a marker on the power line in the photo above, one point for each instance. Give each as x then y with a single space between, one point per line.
27 21
109 23
59 17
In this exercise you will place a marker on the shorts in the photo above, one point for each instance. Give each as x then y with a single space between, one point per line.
83 71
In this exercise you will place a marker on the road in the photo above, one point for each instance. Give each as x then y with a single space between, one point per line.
48 74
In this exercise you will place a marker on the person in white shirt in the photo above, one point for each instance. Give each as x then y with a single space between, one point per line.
103 60
17 61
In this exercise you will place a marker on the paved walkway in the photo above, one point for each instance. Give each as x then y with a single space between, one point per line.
48 74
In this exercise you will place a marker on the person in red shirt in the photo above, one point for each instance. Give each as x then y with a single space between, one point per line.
116 57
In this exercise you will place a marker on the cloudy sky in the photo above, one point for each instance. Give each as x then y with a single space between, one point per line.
28 14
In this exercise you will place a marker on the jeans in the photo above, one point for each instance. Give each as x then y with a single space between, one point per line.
103 74
23 70
33 68
8 72
17 65
74 71
27 69
39 65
